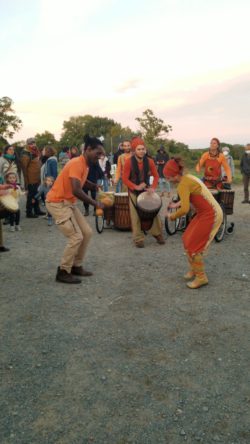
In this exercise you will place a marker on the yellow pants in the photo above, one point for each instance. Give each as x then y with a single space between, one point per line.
137 232
73 225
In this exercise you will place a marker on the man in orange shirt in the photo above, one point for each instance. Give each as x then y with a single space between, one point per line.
61 204
126 145
136 175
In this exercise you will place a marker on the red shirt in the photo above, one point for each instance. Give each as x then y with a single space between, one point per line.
127 172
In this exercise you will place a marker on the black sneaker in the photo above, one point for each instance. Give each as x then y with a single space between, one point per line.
4 249
40 213
66 278
32 216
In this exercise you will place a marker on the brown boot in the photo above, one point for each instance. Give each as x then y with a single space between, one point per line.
139 244
66 278
79 271
160 239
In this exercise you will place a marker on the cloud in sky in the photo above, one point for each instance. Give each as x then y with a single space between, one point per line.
116 58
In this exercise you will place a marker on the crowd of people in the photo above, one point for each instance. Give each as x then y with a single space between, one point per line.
58 182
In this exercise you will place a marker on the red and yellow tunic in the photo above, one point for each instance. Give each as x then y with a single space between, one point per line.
208 218
213 169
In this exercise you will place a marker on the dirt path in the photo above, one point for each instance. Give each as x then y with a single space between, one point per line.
130 356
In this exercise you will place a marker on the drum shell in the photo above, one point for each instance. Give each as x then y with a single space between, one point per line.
122 219
226 197
109 214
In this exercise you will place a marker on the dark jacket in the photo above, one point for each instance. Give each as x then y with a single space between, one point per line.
95 173
117 154
245 164
161 159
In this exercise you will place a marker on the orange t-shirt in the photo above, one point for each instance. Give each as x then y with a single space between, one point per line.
76 168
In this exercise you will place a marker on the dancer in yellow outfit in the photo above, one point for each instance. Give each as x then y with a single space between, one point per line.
204 225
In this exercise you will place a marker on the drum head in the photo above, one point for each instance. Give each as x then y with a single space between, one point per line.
121 194
149 201
9 202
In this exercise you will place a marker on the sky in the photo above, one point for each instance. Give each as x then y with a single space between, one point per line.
187 60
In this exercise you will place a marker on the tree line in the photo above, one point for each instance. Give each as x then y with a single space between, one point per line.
153 129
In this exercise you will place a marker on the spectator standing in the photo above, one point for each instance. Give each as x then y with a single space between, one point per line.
118 153
106 168
245 171
126 154
8 163
161 159
74 152
3 191
50 167
31 167
226 151
64 157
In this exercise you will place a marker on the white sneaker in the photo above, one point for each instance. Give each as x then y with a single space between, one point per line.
12 228
18 228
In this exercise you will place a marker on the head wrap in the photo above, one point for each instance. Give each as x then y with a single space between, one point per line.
172 168
135 142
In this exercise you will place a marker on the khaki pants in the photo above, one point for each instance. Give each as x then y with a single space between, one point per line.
138 234
73 225
246 181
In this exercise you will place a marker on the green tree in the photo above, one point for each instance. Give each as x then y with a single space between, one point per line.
152 129
76 127
44 139
9 122
73 131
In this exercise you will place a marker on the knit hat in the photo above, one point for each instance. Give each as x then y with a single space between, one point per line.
135 142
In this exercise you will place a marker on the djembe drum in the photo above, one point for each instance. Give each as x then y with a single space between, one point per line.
122 219
148 206
8 204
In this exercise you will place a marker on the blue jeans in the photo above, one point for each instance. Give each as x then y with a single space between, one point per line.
104 183
118 186
164 185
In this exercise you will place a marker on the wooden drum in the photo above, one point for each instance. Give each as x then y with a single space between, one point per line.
226 197
122 219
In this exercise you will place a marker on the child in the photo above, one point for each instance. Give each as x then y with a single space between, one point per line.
14 218
43 190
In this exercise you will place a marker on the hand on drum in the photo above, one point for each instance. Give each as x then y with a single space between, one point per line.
174 205
168 214
150 190
100 205
141 187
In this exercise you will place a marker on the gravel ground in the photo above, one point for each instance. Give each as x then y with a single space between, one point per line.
130 356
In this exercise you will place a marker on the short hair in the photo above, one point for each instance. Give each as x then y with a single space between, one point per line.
50 150
91 142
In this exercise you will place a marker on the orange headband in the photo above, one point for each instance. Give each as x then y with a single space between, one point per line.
172 168
135 142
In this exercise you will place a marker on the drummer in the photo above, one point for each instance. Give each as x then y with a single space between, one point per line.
204 225
136 175
212 161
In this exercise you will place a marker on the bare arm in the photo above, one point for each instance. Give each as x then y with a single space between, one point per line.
91 185
79 193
